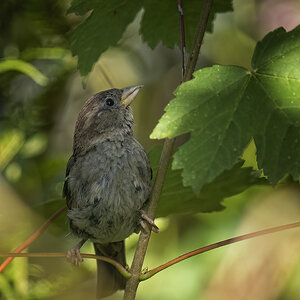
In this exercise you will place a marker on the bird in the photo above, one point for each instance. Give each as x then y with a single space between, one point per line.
108 183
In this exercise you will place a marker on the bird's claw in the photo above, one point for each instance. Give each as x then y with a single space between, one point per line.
74 257
146 218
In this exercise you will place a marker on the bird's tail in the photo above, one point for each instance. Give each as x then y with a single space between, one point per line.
109 280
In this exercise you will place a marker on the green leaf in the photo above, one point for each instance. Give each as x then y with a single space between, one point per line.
207 109
102 29
108 20
223 107
276 61
160 21
24 67
177 199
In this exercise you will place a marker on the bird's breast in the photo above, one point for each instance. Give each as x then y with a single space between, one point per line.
109 185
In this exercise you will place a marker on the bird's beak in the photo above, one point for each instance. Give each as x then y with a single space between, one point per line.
129 93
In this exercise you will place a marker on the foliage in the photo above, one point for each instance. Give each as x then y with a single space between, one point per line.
175 198
159 23
162 17
92 37
225 106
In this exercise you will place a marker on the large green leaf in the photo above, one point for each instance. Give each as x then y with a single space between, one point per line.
103 28
276 62
160 21
177 199
224 106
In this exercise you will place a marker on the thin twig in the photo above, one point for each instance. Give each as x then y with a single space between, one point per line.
182 36
33 237
137 263
118 266
180 258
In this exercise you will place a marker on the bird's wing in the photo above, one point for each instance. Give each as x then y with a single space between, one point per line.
142 162
66 191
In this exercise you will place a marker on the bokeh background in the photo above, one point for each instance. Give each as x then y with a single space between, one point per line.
36 129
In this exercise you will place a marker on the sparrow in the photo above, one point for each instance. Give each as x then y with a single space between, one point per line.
108 183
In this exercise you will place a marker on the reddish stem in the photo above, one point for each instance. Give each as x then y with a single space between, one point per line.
33 237
216 245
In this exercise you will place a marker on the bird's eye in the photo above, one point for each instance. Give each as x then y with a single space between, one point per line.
110 102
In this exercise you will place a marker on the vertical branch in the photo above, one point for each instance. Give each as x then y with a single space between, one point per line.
182 35
137 263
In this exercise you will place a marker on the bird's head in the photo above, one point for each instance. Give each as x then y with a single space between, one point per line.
104 115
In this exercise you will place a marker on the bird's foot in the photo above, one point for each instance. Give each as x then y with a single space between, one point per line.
146 218
74 256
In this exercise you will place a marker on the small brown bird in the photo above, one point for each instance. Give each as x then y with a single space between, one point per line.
108 182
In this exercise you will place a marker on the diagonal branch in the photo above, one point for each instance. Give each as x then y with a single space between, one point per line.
137 263
201 27
33 237
216 245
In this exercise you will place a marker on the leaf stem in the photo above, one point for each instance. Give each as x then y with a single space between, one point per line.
180 258
137 263
33 237
118 266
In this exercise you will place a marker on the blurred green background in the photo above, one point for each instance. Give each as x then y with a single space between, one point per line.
38 110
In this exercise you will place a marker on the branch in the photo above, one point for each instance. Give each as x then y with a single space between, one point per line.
33 237
137 263
201 27
118 266
180 258
182 36
164 266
